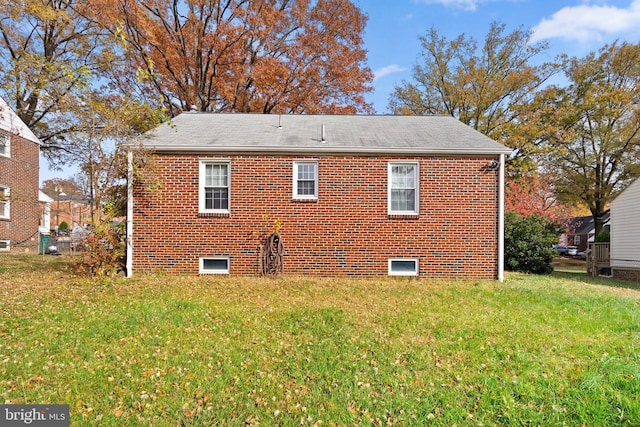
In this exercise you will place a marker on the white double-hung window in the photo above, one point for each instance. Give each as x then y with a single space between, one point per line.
403 197
4 203
4 146
215 186
305 180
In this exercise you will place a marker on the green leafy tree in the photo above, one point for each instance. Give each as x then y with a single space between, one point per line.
528 243
593 126
489 88
603 236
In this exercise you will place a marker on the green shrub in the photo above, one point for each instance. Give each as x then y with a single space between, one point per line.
529 243
603 236
63 227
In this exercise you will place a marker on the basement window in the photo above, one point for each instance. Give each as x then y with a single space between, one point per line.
403 267
5 245
214 265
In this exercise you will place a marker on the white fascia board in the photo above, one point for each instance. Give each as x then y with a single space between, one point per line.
329 150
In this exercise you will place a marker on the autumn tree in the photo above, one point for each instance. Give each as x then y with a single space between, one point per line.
288 56
47 55
54 60
593 137
69 186
99 150
533 193
488 88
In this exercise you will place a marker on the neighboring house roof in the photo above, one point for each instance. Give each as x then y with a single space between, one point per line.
581 225
63 197
10 122
42 197
584 224
207 132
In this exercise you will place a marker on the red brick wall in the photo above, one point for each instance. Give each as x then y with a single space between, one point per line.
71 212
347 231
20 173
630 275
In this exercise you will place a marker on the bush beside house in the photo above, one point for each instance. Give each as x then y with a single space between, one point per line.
529 243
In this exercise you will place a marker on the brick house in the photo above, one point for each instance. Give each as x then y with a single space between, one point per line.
349 195
581 231
20 211
71 209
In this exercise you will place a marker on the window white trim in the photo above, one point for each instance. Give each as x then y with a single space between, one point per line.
4 200
5 245
297 179
224 269
202 208
7 146
395 264
415 188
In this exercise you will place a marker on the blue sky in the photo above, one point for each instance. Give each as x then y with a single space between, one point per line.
574 27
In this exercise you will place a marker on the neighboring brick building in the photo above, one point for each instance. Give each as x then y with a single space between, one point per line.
20 211
351 196
581 231
70 209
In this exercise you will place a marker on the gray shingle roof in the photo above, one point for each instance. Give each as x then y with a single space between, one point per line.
357 134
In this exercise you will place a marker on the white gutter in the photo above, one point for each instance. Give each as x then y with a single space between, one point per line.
501 220
129 261
464 151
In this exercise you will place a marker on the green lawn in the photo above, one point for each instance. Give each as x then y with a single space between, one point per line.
161 350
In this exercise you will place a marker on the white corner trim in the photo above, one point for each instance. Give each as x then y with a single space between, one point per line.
501 220
129 261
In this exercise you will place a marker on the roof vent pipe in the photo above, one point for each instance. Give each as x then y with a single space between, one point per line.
279 121
322 138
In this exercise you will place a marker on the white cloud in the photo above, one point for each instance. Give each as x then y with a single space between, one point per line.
589 22
385 71
469 5
466 5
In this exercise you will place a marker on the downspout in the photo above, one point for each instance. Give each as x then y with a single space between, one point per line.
129 263
501 219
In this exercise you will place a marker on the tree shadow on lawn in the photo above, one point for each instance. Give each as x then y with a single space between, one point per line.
583 277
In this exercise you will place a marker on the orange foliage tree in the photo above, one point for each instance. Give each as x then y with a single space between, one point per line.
534 194
284 56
